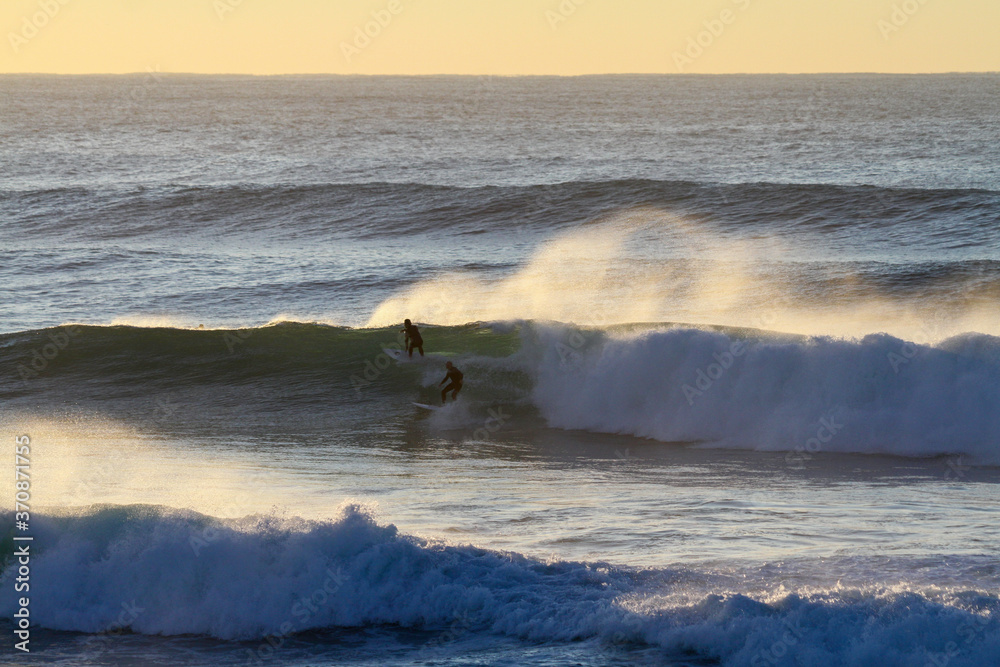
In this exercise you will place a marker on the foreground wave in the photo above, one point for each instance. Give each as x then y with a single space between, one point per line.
179 572
711 386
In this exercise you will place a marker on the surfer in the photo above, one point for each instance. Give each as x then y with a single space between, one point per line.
454 386
412 338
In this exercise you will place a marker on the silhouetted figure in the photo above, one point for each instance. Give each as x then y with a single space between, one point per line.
412 339
454 386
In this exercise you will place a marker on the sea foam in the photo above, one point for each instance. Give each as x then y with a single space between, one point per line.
184 573
877 394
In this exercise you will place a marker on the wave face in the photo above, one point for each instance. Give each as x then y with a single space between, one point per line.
167 572
727 387
289 365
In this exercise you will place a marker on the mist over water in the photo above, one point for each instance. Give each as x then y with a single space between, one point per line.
647 266
731 348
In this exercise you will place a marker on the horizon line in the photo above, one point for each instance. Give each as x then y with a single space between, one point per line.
148 71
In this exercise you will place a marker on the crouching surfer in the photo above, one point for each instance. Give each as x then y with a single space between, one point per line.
455 384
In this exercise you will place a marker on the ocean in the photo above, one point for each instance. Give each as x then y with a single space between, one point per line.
731 348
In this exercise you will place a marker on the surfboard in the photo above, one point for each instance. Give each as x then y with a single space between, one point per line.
396 355
401 357
427 407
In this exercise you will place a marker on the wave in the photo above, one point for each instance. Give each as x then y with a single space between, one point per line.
806 395
116 363
955 218
713 386
160 571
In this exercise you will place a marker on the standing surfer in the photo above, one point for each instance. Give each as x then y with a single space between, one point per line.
454 386
412 338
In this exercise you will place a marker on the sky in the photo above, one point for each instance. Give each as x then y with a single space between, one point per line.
499 37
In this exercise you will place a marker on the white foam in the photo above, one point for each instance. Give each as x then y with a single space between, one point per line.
162 571
878 394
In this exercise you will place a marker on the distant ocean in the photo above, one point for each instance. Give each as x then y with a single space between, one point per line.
731 348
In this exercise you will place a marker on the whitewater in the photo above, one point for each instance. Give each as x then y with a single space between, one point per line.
731 349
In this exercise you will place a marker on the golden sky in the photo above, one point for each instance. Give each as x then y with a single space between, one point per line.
499 36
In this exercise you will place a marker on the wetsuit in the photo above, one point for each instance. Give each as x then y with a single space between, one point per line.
414 340
454 386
